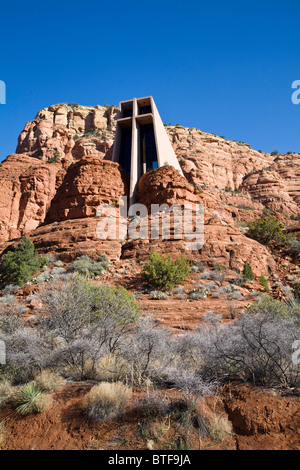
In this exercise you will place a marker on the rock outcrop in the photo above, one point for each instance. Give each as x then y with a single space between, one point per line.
27 188
51 187
55 131
224 243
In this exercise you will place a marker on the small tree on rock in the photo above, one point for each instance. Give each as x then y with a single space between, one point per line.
20 265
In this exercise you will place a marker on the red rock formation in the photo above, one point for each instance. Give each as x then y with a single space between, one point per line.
87 184
224 243
27 188
55 130
268 188
67 133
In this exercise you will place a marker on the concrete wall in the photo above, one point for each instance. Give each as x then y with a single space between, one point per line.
165 152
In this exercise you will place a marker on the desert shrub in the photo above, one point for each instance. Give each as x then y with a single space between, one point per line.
180 296
147 351
248 273
89 267
43 403
266 230
163 273
11 312
256 348
26 401
56 157
156 295
6 391
178 290
111 368
153 404
212 318
48 381
51 258
89 321
26 352
264 283
114 304
199 293
221 427
10 289
21 264
268 306
293 246
44 277
57 271
191 383
186 412
107 401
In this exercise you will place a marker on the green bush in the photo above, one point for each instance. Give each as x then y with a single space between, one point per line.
267 229
20 265
56 157
248 273
89 267
163 273
266 305
27 399
114 302
264 283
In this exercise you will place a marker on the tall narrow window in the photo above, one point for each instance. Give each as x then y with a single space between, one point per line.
125 150
148 148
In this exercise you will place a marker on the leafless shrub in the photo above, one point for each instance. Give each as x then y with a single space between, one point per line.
256 348
10 289
147 350
11 312
26 352
212 318
154 404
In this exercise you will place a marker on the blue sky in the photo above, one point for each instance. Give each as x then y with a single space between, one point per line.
225 67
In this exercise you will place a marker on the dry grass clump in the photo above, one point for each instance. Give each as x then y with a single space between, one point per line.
221 428
107 401
48 381
6 391
43 403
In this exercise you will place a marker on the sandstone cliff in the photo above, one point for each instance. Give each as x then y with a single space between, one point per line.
61 172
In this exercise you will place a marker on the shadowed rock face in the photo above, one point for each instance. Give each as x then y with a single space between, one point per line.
88 183
51 187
